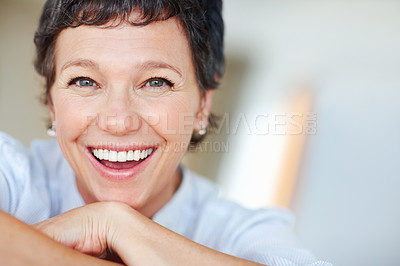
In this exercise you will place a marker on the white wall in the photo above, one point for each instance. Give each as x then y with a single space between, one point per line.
347 51
347 195
21 113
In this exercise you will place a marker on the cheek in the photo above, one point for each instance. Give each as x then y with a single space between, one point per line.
173 118
73 116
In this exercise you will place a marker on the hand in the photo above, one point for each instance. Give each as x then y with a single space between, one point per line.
96 228
89 229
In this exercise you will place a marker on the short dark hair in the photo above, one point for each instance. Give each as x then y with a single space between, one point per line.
201 20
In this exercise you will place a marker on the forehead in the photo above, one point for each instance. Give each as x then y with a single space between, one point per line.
125 44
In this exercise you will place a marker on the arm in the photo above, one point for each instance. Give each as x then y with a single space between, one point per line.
20 244
136 239
153 242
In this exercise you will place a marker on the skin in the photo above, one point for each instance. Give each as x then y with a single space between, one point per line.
121 108
21 244
136 239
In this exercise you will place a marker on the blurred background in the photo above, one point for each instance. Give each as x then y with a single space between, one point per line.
309 116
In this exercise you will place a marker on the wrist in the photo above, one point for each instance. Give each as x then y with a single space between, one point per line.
126 233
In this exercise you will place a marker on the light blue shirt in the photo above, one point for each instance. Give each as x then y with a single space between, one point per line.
38 184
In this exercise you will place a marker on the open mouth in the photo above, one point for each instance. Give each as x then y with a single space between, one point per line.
121 159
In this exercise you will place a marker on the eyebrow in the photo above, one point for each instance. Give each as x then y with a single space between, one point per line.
148 65
159 65
80 63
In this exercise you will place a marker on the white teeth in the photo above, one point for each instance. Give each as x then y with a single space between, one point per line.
113 156
130 156
122 156
100 154
136 155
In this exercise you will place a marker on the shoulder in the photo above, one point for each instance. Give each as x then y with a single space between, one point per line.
13 155
230 222
208 197
54 176
221 219
29 178
14 170
19 160
45 157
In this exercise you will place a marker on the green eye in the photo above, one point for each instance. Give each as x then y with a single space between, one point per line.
156 86
83 82
156 83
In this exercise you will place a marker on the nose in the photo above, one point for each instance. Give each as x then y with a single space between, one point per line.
119 116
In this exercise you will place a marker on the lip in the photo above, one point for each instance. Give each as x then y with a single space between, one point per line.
118 175
122 147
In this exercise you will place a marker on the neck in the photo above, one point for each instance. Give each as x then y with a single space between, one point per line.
155 204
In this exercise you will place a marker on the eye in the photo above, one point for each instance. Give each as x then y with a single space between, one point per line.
83 82
157 86
158 82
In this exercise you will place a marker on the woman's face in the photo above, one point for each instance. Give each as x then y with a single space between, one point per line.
126 102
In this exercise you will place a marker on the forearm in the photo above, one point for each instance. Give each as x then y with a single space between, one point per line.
172 249
20 244
149 243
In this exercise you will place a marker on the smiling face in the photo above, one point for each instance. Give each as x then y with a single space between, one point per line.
126 101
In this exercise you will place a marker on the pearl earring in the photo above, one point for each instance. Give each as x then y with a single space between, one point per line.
203 130
51 132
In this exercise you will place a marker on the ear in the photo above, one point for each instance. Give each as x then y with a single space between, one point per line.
204 109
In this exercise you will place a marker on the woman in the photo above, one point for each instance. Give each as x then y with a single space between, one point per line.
129 86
